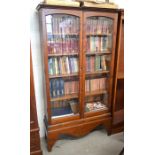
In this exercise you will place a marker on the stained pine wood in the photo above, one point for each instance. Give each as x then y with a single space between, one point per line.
118 99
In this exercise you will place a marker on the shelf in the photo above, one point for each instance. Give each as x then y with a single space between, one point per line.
66 97
65 54
60 116
97 72
72 96
63 75
62 34
97 112
98 92
98 34
97 53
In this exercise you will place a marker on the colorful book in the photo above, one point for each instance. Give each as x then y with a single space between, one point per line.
61 87
57 88
50 66
97 63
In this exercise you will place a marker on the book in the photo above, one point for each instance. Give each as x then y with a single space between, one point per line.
104 5
61 87
50 66
67 65
74 106
97 63
57 88
103 63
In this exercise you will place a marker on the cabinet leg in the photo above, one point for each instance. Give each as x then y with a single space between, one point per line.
107 126
50 143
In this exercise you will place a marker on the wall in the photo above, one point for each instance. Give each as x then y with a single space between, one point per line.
37 61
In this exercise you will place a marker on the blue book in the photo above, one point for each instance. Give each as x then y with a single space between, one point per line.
51 87
61 86
70 65
50 66
104 42
57 89
54 88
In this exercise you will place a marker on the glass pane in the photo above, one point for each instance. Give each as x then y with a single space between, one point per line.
63 63
99 33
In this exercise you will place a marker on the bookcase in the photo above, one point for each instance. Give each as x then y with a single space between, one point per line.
78 46
118 106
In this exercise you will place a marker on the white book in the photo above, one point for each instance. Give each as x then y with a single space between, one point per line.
67 64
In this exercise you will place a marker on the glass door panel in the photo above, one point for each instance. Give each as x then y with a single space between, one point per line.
99 34
63 33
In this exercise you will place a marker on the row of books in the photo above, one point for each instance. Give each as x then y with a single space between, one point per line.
63 65
96 63
60 104
62 24
70 104
71 87
59 87
99 25
98 43
96 84
95 106
63 44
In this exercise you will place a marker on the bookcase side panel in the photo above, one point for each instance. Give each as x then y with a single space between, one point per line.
119 61
45 63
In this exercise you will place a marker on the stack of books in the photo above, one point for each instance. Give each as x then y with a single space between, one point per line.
95 106
62 3
98 3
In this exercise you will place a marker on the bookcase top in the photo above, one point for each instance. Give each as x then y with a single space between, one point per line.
49 6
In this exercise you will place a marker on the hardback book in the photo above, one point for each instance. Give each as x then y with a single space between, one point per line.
103 63
50 66
97 63
61 86
57 88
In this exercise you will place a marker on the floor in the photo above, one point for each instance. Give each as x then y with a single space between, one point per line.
95 143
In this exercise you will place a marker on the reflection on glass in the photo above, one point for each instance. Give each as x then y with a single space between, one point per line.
99 33
63 63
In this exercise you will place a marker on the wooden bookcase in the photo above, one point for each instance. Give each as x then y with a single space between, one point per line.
78 46
118 106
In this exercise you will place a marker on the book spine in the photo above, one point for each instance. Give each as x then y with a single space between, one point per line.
62 86
54 88
57 67
67 63
57 87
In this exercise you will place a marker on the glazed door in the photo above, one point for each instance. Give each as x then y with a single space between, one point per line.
98 59
63 40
